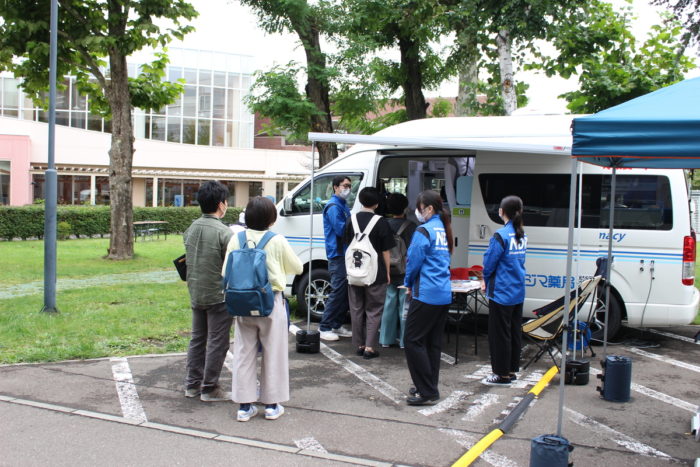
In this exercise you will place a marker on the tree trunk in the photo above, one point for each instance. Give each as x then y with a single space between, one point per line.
317 90
121 153
413 79
505 63
466 103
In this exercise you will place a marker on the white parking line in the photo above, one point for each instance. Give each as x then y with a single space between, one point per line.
621 439
674 336
126 390
525 380
446 404
467 441
383 387
660 396
310 444
661 358
481 372
479 406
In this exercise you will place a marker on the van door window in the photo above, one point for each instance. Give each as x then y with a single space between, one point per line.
641 201
323 190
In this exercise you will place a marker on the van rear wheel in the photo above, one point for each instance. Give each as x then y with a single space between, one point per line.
318 293
598 322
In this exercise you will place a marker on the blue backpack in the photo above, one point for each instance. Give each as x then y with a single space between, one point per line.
246 286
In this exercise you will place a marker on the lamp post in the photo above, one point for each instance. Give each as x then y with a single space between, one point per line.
51 176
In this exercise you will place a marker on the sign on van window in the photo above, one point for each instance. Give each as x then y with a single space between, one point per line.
641 201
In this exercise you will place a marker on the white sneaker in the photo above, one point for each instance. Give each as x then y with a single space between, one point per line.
329 336
342 332
245 415
274 414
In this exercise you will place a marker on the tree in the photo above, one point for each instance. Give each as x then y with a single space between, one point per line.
498 32
412 26
95 39
308 21
595 44
689 12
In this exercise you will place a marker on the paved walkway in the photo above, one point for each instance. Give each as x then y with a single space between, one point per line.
37 287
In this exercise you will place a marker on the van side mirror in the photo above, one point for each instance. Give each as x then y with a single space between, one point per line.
287 205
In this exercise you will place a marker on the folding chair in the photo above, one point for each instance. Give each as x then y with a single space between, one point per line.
546 329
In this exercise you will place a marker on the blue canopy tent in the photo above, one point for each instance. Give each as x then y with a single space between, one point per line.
658 130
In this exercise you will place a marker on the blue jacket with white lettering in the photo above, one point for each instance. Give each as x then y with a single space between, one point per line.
504 267
428 264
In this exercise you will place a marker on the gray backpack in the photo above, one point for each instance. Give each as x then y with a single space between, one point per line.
397 255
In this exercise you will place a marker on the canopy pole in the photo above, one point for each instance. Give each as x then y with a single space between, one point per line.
311 237
567 286
579 169
608 280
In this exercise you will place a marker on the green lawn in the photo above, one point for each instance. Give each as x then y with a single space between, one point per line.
24 261
97 321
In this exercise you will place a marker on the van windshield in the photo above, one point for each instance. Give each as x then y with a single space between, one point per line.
323 190
641 201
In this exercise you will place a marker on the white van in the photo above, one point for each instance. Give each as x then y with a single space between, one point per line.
528 156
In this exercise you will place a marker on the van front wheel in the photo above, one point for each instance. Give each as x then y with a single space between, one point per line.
614 320
318 293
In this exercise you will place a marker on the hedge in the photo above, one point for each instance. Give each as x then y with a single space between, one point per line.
88 221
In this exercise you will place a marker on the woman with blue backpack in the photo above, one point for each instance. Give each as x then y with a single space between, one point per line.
269 331
427 281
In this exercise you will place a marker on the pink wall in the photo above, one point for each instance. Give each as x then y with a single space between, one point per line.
17 150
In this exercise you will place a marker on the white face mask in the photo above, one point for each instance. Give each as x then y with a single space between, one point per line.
344 193
419 216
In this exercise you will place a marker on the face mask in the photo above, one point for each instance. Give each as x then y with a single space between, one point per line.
344 193
419 216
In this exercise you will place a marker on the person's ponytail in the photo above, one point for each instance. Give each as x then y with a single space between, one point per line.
447 222
518 225
512 207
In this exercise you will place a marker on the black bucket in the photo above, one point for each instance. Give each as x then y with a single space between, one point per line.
577 372
550 451
617 378
308 341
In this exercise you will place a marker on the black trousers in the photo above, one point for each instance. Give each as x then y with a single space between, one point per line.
505 337
423 344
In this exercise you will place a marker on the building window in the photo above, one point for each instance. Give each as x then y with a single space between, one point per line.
38 187
209 112
279 191
81 189
4 182
255 189
101 190
190 192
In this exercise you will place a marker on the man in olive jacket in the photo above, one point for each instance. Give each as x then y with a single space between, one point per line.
205 247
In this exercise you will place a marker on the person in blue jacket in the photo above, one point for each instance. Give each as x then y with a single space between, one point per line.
427 281
504 285
335 215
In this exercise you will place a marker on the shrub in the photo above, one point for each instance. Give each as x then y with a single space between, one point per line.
87 221
63 230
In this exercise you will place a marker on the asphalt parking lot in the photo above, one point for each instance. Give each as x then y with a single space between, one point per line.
346 410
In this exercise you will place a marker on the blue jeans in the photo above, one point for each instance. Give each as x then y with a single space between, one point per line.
393 316
337 304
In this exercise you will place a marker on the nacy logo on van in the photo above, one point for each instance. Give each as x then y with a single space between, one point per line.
617 237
